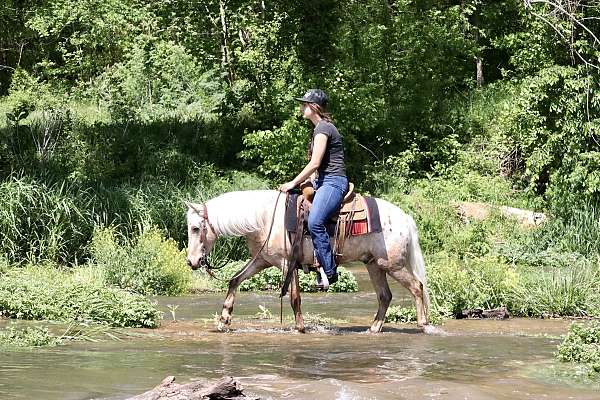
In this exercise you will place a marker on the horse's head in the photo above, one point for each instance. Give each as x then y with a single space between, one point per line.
201 236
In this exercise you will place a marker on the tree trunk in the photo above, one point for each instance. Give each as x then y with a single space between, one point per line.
227 54
478 59
479 63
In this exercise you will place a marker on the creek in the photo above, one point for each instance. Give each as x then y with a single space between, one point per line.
336 359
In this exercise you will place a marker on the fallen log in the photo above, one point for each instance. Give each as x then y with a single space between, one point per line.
478 313
226 388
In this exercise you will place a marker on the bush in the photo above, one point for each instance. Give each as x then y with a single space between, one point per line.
408 315
282 151
46 293
27 337
455 286
271 279
152 265
582 345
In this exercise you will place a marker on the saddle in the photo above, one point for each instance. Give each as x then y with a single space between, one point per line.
357 215
352 219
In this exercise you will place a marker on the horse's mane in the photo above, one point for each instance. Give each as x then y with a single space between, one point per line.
240 213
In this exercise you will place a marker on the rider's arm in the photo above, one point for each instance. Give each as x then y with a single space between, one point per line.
319 147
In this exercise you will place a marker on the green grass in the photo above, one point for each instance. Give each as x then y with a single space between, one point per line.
42 221
48 293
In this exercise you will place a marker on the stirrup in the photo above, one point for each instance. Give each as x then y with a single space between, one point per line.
322 281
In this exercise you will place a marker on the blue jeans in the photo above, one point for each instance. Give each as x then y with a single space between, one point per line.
331 190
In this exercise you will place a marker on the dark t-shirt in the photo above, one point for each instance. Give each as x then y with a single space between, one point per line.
333 159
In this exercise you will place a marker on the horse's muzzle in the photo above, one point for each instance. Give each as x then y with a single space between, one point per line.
201 263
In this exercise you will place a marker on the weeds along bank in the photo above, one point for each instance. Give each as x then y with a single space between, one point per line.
550 270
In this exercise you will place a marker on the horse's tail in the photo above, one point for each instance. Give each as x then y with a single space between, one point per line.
417 263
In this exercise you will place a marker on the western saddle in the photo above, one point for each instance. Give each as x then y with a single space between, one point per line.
352 210
352 219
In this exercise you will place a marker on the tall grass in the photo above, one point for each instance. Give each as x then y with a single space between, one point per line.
43 222
55 221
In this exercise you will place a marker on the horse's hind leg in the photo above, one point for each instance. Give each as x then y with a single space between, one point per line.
384 295
409 281
296 301
250 269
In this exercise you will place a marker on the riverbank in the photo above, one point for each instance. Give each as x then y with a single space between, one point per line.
476 359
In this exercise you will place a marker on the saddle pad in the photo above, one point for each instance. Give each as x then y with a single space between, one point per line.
373 217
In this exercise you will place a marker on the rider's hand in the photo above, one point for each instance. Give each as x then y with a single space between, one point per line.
286 187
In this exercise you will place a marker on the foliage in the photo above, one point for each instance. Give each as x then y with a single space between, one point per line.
157 81
47 293
399 314
31 336
282 151
271 279
582 346
150 265
477 283
551 118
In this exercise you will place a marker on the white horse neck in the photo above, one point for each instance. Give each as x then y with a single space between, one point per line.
240 213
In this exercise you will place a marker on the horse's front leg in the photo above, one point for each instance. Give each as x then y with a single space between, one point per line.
296 301
253 267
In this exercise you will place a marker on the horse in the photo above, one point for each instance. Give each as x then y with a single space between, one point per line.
258 215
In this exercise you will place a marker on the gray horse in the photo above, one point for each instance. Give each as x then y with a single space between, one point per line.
258 215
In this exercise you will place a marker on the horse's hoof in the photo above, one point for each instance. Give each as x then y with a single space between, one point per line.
301 329
224 323
432 330
222 327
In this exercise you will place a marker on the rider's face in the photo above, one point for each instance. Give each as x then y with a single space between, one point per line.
305 110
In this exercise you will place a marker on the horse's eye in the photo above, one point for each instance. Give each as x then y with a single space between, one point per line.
195 229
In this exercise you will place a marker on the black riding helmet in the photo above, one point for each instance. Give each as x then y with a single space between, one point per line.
316 96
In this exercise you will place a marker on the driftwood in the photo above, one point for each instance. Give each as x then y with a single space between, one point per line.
226 388
480 211
496 313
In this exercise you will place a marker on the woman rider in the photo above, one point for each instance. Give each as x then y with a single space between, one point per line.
331 184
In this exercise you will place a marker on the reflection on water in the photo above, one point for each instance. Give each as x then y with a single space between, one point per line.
476 360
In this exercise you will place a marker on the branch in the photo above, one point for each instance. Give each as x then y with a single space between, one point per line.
568 14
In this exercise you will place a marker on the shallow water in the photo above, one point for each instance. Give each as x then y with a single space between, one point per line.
474 360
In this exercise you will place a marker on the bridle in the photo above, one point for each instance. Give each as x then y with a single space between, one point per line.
204 241
205 223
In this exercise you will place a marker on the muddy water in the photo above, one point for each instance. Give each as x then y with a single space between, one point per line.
335 360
